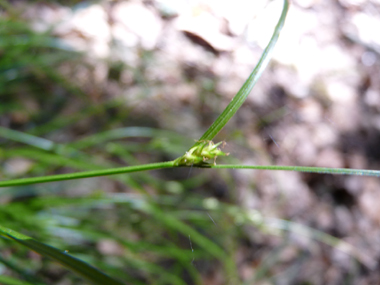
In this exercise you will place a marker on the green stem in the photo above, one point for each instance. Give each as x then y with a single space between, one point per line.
86 174
244 91
325 170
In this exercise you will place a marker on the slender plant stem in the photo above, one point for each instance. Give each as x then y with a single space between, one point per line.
169 164
86 174
244 91
325 170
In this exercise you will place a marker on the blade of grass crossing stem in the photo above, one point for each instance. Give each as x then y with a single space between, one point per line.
243 93
83 269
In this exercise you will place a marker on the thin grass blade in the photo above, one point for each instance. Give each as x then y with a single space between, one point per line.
86 174
243 93
320 170
83 269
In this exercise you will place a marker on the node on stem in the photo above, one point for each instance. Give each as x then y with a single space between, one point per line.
199 154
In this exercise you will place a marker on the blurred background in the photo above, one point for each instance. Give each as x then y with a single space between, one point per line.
88 85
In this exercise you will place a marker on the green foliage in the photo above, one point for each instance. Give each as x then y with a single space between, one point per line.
83 269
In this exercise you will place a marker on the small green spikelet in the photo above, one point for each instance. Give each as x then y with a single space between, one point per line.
199 154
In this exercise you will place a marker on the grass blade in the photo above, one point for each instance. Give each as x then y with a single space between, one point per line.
320 170
244 91
202 241
122 133
26 138
86 174
83 269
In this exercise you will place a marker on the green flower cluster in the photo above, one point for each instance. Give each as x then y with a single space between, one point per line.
200 153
